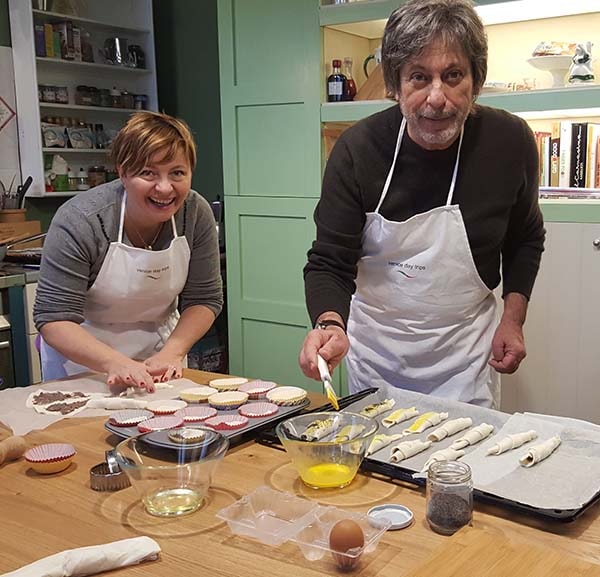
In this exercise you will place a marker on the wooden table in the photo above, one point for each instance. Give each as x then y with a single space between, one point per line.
42 515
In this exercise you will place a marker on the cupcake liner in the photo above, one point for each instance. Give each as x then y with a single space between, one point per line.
160 423
226 422
187 435
129 417
196 414
50 452
257 389
227 400
198 394
256 410
286 396
167 407
228 384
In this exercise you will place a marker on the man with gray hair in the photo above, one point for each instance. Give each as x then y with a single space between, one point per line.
422 206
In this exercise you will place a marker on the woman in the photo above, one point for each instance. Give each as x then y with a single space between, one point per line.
122 260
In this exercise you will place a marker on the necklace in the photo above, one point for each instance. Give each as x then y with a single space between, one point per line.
147 246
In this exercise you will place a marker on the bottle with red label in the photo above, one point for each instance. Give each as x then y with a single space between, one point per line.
336 83
350 91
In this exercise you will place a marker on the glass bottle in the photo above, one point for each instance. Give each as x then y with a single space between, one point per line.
72 180
350 92
449 496
335 83
82 180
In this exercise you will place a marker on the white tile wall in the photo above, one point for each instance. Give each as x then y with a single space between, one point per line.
9 144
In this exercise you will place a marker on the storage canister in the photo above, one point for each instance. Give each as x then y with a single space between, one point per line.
82 180
449 496
96 175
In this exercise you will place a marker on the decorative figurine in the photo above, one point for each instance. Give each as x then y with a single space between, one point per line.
581 69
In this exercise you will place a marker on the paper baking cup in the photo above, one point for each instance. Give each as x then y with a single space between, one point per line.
129 417
286 396
160 423
165 407
257 389
226 422
187 435
229 384
197 394
227 400
196 414
50 458
256 410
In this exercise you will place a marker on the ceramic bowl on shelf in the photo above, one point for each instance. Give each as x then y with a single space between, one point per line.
327 448
557 65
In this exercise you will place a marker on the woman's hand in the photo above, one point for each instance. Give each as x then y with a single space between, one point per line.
331 343
125 373
164 367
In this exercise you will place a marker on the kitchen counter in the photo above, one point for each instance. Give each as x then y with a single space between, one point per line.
43 515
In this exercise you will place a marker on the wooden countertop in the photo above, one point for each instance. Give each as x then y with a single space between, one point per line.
42 515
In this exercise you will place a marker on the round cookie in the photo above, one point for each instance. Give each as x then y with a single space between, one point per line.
286 396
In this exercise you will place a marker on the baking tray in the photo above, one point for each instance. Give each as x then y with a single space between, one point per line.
235 436
395 471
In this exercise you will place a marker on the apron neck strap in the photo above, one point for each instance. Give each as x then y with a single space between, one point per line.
388 180
122 219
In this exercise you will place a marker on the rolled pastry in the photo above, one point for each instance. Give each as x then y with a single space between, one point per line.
450 428
511 442
473 436
378 408
539 452
116 403
408 449
318 429
398 416
447 454
348 433
381 441
425 421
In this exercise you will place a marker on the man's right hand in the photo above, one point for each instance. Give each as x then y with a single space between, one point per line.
331 343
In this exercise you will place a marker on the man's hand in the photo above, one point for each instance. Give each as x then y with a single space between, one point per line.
508 347
331 343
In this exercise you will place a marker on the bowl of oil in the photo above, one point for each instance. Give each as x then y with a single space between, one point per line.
172 470
327 448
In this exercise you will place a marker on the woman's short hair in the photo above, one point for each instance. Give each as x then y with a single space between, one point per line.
416 24
147 134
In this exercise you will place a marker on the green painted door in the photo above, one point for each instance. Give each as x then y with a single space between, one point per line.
269 53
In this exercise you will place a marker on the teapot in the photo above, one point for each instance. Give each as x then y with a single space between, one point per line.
375 56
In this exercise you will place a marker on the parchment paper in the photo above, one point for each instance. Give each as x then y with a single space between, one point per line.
566 480
15 415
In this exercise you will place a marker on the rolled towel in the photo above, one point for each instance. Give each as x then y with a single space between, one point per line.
92 560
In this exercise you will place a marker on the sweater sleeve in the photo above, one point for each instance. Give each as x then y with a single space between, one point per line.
525 234
203 285
70 250
330 273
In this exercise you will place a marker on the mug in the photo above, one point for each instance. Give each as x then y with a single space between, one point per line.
115 51
136 57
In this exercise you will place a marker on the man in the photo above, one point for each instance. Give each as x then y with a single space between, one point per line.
421 205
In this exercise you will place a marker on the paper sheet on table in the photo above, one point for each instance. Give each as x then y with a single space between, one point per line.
92 560
21 419
566 480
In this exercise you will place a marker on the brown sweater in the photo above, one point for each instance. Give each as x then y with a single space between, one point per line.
496 189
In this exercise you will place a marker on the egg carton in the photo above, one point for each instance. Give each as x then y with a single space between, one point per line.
275 517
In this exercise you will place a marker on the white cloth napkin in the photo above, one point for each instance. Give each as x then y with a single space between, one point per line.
92 560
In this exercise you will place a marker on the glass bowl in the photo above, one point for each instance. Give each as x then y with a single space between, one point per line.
172 478
329 461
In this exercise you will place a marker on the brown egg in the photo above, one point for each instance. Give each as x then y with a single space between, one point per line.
345 535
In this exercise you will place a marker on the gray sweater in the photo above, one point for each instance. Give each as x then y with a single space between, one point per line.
79 237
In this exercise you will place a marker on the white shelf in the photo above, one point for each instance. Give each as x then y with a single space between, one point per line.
42 15
60 193
102 109
75 150
91 65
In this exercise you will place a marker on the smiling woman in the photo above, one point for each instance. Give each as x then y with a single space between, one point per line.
130 275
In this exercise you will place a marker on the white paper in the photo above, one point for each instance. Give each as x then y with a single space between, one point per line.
92 560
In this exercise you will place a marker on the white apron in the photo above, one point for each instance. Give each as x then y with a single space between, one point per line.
132 305
422 318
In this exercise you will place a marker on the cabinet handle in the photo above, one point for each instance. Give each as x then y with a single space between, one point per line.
596 243
4 344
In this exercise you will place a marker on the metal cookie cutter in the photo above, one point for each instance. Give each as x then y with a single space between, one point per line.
108 476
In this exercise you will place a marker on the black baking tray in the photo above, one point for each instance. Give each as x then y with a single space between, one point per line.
248 432
392 471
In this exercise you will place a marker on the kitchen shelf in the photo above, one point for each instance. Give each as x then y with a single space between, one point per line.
44 16
91 65
352 111
75 107
75 150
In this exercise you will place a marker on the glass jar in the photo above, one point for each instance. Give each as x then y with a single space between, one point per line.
449 496
72 181
48 93
141 102
105 98
82 180
115 97
127 99
94 95
96 175
62 94
83 96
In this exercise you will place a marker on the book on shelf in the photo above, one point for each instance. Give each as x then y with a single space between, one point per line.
591 172
565 154
542 140
577 170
